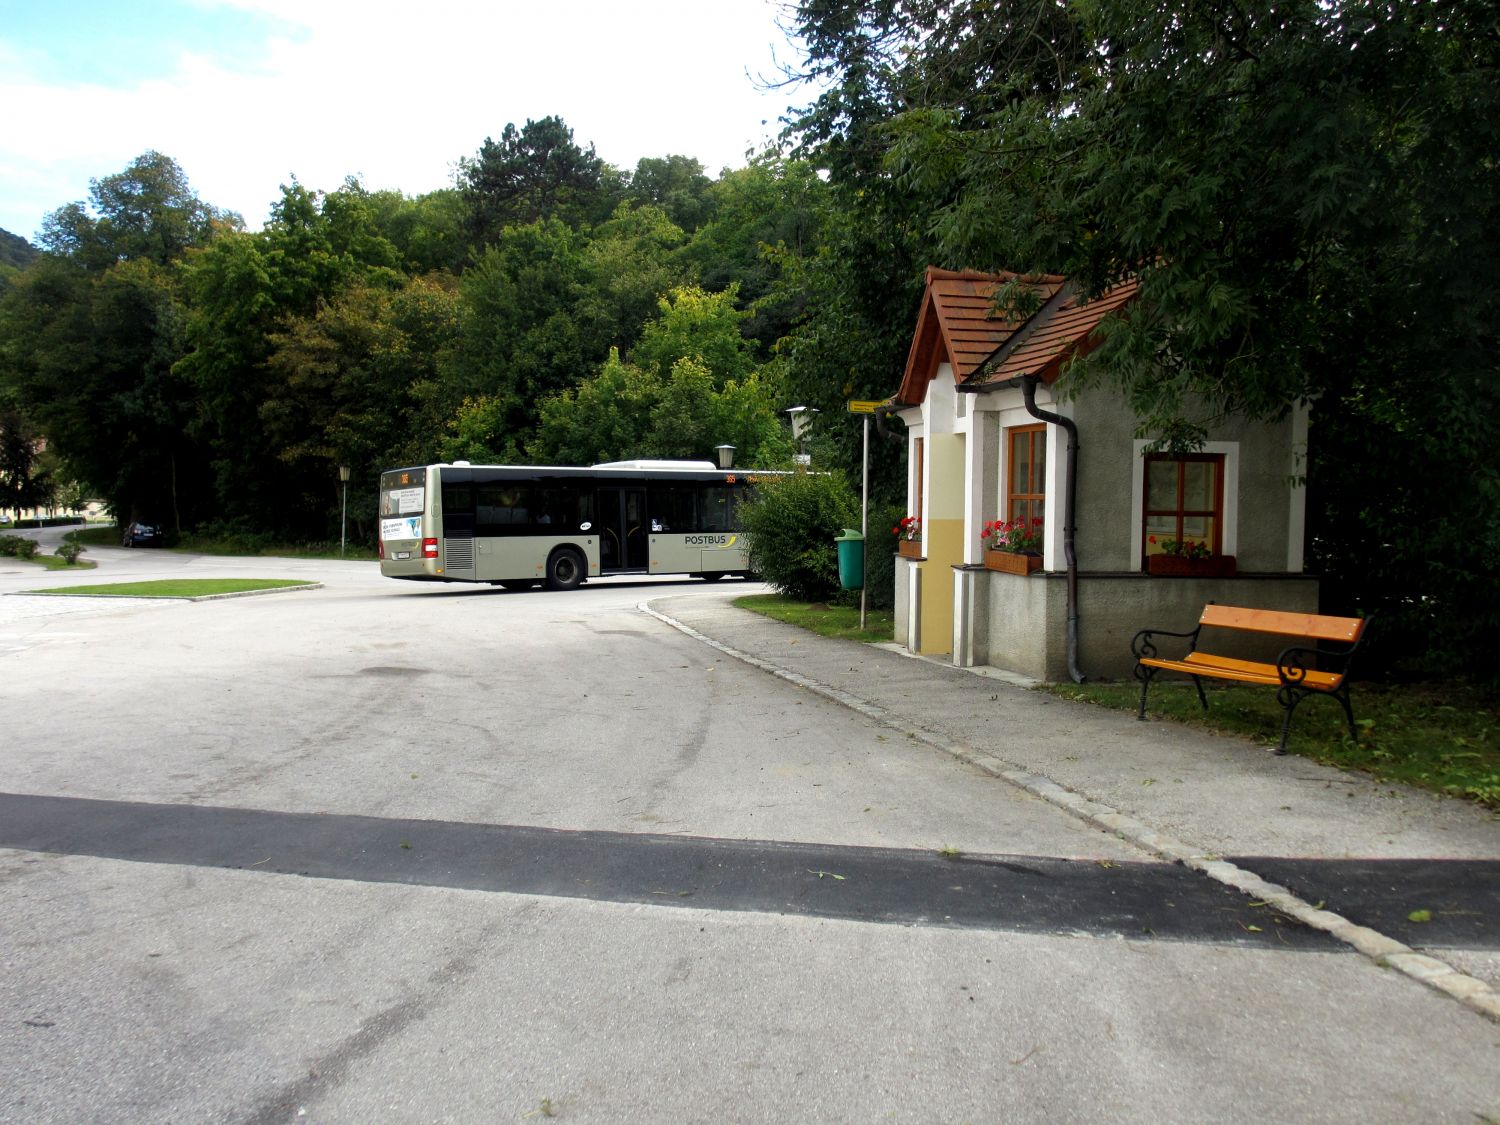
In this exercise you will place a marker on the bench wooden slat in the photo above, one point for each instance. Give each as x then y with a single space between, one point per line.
1311 625
1242 671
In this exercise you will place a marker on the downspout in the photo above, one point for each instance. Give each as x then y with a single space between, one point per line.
880 413
1070 506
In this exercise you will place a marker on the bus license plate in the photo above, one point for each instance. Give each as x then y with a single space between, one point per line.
403 554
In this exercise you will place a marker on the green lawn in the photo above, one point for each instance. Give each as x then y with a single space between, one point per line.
177 587
1441 737
52 562
825 620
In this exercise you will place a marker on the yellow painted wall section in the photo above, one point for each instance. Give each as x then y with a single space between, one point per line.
944 541
944 552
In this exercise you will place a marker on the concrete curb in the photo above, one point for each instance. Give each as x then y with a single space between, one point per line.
254 593
1384 951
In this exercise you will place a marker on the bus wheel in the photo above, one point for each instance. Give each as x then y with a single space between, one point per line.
565 570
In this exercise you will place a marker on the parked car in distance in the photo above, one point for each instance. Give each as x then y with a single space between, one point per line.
142 535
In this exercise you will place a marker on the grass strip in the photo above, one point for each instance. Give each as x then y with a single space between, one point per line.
177 588
823 619
52 562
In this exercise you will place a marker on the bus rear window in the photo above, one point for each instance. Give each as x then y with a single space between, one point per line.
405 501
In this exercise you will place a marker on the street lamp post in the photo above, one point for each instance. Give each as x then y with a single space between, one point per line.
801 417
725 456
344 512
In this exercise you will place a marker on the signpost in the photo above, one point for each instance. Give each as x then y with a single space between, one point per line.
865 408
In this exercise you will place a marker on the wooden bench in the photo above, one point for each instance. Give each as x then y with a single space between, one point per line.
1300 671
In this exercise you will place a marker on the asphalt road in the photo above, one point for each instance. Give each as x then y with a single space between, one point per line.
391 852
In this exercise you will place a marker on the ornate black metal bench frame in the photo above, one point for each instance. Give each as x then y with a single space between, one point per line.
1299 672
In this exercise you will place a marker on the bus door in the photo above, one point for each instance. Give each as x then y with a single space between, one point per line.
622 529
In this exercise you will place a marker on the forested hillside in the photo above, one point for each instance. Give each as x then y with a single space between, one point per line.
548 308
15 251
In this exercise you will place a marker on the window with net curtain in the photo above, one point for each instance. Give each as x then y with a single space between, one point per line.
1184 501
1026 475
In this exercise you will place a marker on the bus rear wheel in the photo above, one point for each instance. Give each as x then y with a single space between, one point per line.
565 570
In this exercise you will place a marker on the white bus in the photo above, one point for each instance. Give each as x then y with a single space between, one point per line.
518 527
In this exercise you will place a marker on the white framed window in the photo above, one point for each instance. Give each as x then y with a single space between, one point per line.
1194 497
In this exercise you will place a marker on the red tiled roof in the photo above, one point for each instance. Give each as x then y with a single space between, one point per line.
956 325
1055 336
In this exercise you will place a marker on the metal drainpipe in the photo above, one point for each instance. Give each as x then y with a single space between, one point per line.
880 412
1070 496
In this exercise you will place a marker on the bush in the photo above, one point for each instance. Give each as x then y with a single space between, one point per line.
17 547
880 556
69 552
236 537
792 523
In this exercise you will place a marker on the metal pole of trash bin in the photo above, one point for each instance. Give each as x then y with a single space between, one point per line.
864 524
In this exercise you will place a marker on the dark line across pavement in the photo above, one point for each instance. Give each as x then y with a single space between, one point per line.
1447 903
1141 900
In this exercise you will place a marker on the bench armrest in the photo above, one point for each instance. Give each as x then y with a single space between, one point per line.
1143 644
1295 662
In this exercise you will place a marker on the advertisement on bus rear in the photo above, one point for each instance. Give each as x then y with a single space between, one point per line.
408 528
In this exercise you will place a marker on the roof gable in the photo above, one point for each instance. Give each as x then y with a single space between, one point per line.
957 325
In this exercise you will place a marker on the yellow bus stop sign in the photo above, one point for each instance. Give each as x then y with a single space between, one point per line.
856 406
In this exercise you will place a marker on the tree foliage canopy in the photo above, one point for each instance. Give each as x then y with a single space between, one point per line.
533 173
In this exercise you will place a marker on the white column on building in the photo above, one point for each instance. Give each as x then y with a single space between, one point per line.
977 477
1296 536
916 476
1054 557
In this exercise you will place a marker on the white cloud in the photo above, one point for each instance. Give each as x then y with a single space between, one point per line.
397 94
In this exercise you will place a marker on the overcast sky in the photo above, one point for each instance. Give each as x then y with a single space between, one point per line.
246 94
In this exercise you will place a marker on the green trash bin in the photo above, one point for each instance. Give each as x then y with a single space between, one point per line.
851 559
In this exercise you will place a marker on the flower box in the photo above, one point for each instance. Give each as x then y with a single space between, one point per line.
1012 563
909 548
1179 566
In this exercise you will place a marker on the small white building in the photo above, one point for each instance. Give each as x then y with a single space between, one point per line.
978 453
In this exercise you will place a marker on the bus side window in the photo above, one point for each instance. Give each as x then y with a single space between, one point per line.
561 508
581 506
672 507
738 499
457 498
503 509
547 509
715 514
